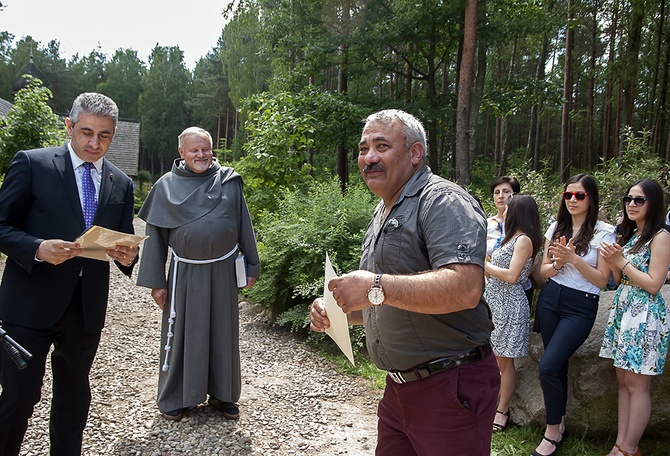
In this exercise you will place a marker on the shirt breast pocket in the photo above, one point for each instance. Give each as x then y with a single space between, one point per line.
391 242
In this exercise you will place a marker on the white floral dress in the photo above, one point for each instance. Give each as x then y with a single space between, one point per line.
509 307
636 336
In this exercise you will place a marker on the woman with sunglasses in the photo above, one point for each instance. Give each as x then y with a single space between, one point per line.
507 271
568 302
636 335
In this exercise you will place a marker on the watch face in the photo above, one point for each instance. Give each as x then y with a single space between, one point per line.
376 296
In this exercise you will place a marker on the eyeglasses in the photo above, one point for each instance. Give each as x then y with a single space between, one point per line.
637 200
579 195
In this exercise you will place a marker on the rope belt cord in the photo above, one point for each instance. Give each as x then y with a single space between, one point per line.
173 312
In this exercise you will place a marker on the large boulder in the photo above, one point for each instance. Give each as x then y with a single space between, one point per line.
592 391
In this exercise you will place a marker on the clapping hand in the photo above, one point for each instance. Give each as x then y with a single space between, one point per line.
562 252
611 253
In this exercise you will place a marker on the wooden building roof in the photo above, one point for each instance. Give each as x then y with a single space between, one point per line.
125 148
5 106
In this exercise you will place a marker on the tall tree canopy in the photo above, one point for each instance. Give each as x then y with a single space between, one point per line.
162 104
414 56
123 82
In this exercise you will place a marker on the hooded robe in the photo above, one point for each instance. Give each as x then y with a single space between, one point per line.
200 216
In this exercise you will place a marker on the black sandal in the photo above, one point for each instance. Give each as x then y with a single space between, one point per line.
553 442
501 427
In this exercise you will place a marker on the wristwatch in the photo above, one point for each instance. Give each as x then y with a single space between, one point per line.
375 293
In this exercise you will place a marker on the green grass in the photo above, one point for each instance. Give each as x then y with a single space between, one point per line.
516 440
363 368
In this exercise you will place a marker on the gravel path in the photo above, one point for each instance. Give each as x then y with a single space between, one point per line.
293 402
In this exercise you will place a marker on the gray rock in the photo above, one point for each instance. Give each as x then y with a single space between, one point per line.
592 391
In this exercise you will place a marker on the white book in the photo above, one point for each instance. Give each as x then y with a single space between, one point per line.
241 270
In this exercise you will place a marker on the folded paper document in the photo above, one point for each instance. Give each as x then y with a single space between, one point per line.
339 324
98 239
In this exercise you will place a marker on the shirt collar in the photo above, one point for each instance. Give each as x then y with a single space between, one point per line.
77 162
415 183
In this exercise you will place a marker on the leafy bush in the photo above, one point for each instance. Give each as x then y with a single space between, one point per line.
542 186
545 188
637 162
613 177
142 188
30 123
290 137
293 242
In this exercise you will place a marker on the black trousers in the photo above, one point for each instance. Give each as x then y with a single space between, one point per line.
566 318
71 360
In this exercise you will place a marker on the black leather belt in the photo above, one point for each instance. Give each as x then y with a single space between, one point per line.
433 367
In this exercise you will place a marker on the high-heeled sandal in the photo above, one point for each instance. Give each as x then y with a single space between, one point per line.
501 427
626 453
553 442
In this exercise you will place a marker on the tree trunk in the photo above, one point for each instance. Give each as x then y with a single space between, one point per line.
631 69
342 159
656 70
591 97
534 129
496 143
567 97
478 93
504 150
227 125
533 144
657 124
608 132
504 124
464 93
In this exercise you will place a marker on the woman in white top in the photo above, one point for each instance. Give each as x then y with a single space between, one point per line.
568 302
502 188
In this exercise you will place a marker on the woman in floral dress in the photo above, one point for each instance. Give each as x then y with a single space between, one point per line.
509 268
636 336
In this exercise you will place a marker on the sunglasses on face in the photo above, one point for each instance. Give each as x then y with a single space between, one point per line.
637 200
579 195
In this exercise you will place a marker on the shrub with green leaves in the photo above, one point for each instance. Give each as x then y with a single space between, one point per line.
294 239
636 162
30 123
291 137
542 186
614 176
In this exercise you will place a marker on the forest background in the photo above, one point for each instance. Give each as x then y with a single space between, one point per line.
541 89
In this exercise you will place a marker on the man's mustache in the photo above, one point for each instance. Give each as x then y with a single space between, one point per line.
376 167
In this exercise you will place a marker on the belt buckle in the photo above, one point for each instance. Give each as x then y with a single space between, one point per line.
397 377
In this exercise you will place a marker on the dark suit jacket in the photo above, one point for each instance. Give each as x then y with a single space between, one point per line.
39 200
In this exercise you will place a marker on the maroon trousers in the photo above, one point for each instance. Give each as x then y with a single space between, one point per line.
449 413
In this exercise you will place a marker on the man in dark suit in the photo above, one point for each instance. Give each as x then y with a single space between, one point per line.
49 295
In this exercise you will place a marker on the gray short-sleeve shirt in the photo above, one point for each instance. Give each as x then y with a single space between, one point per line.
434 223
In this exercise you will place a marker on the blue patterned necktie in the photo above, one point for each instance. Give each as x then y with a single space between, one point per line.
90 196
